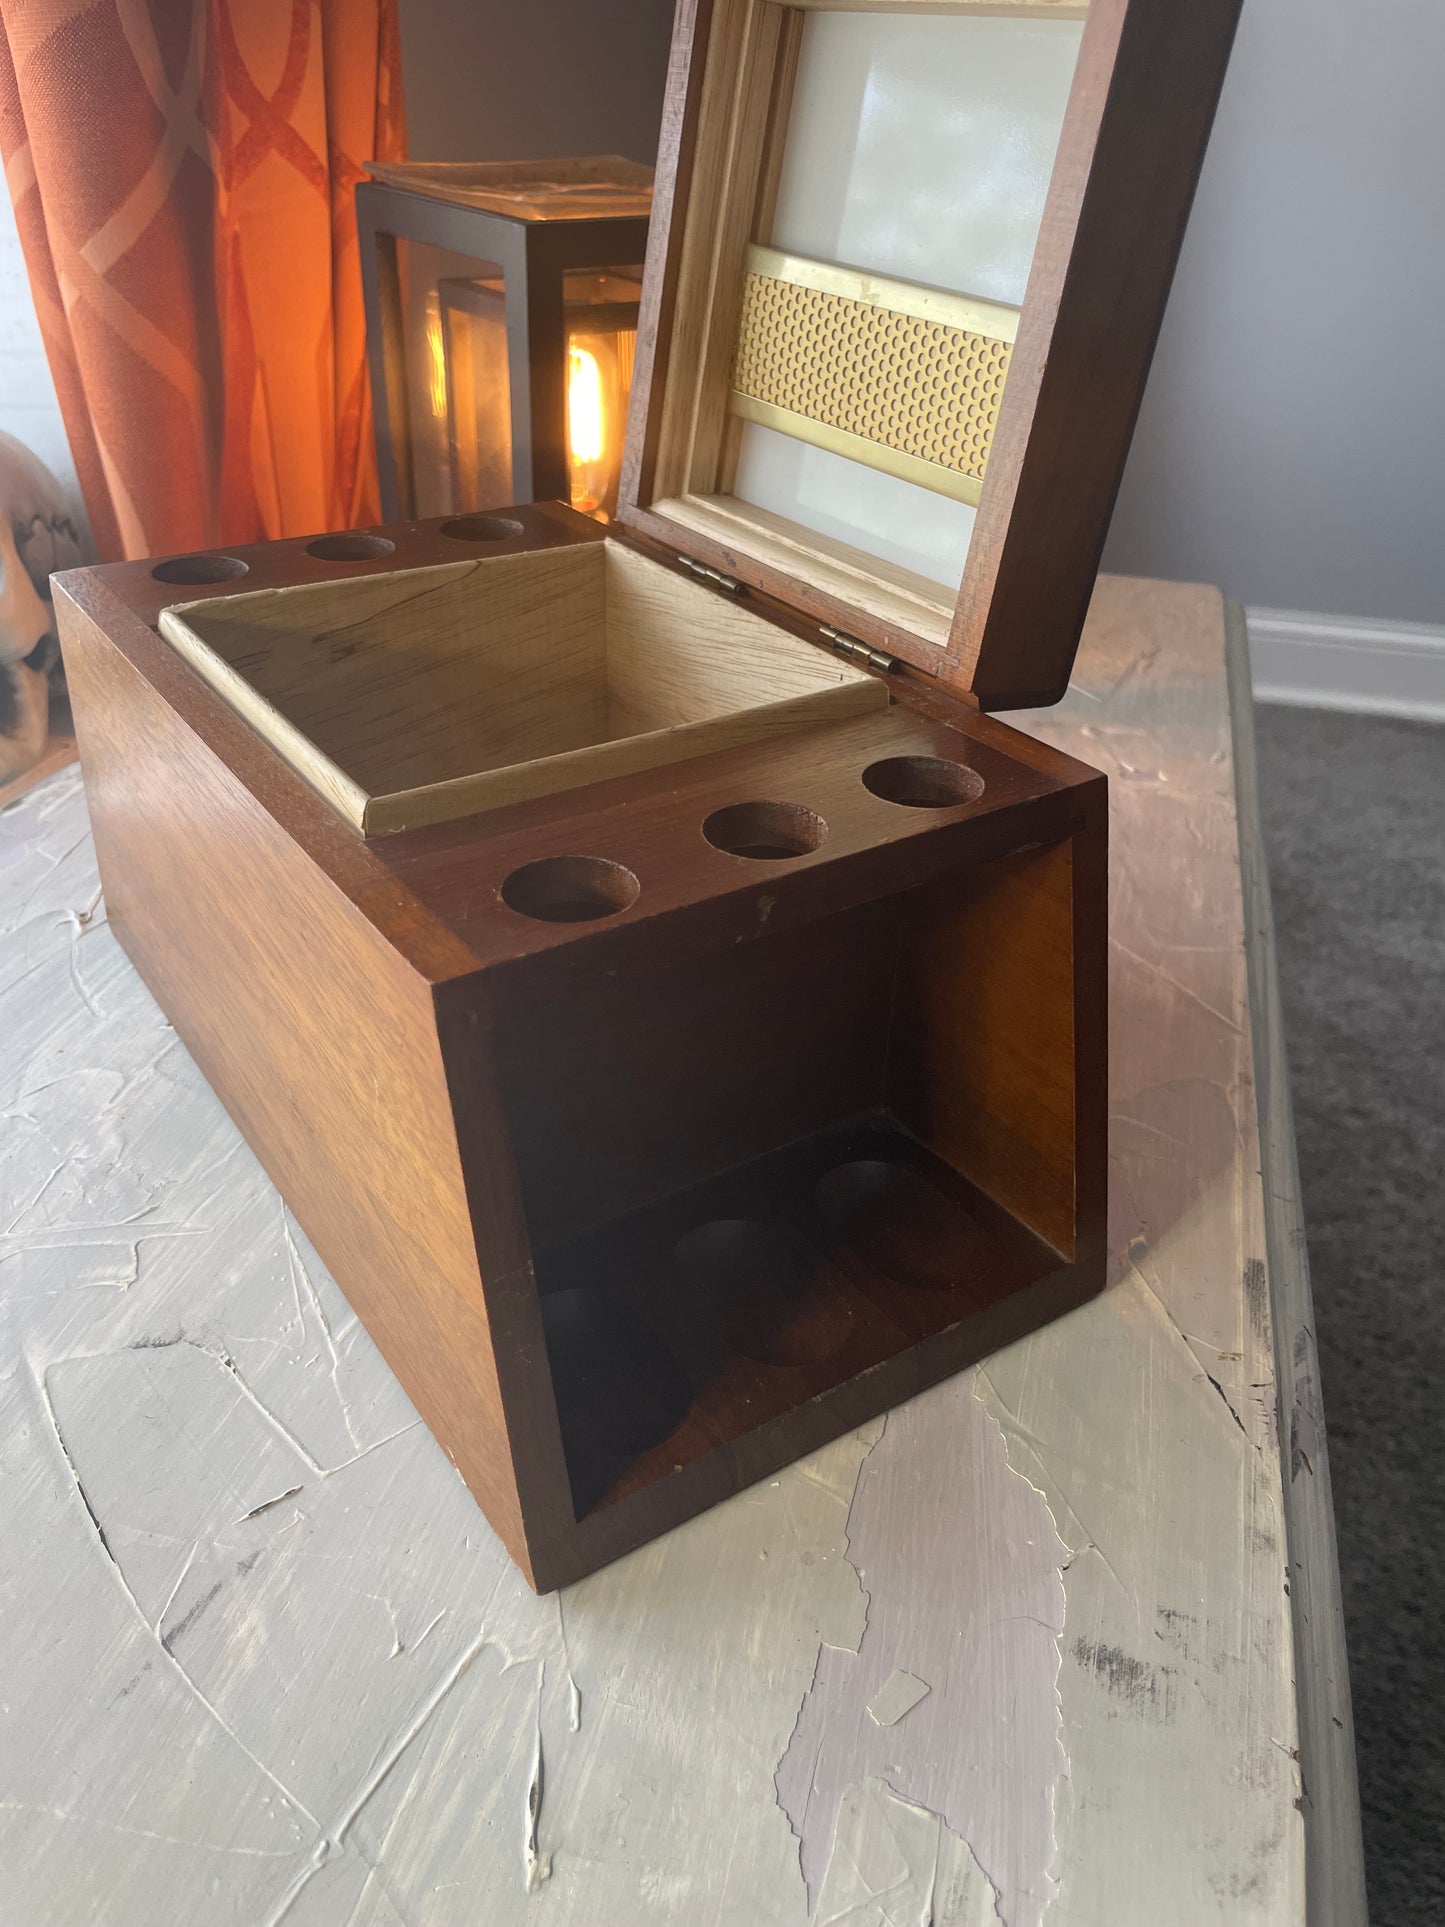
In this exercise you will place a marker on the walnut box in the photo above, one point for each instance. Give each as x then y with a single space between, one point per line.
672 1006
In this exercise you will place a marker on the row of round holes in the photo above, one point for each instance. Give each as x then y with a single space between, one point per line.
353 546
747 1291
580 889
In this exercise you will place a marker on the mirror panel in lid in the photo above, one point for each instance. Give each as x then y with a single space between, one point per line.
906 269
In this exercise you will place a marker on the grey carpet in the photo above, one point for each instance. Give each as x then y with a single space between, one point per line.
1354 824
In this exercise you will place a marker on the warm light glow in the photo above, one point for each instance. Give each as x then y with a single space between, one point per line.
585 430
436 358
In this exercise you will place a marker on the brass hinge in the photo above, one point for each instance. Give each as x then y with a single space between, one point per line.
729 584
857 651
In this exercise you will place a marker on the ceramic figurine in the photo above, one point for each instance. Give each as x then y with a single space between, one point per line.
37 534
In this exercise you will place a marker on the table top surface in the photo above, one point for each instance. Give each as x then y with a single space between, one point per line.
1024 1649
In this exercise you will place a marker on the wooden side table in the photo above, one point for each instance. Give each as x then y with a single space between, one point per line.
1059 1640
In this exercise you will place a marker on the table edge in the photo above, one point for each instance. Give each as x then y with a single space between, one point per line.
1330 1802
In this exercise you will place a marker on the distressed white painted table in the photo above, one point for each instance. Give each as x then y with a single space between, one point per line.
263 1660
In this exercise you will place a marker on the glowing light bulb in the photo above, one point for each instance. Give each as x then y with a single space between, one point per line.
584 406
436 354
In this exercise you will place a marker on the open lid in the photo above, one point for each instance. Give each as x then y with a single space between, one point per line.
907 264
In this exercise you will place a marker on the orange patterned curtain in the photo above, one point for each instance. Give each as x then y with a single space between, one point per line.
182 174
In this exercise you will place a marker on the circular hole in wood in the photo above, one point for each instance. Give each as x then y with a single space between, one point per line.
763 1305
765 832
350 547
482 528
619 1389
570 889
923 782
897 1220
201 568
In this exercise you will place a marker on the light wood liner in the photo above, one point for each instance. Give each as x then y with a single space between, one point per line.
543 672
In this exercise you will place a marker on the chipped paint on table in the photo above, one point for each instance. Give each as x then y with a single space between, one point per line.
1020 1652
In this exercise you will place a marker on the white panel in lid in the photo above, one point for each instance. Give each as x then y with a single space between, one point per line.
919 146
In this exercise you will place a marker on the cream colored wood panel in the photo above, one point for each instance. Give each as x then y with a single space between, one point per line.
428 674
325 776
634 744
678 654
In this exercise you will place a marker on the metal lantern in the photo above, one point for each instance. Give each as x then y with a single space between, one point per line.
501 324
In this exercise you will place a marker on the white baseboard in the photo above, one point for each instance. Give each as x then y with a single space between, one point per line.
1346 662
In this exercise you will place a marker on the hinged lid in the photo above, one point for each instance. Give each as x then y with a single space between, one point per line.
907 263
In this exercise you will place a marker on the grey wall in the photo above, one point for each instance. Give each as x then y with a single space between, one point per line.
1292 442
488 80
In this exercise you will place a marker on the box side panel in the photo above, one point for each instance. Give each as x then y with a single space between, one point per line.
983 1061
317 1036
1090 874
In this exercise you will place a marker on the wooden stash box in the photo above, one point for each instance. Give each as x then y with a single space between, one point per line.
672 1006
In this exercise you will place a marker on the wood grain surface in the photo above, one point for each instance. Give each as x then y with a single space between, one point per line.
1138 120
242 1549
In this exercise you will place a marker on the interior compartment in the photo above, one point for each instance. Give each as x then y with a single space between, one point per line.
752 1179
420 695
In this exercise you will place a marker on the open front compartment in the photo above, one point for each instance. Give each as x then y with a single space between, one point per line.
421 695
779 1068
756 1179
